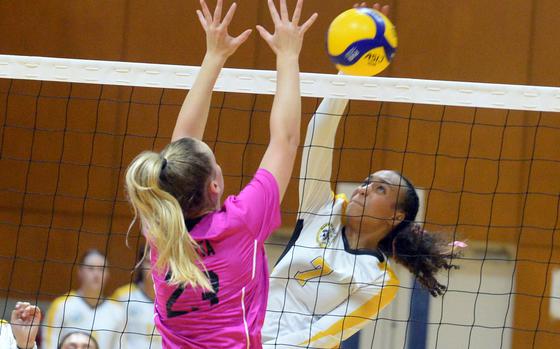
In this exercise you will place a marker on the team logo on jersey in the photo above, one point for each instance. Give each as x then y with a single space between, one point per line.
325 234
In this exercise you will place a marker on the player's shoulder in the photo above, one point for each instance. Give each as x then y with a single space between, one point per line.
390 275
335 204
124 292
110 305
65 299
380 273
340 203
370 266
332 210
341 198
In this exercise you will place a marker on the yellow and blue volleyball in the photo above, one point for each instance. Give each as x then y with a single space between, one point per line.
361 41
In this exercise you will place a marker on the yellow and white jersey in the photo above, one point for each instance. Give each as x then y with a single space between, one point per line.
7 340
70 313
139 330
321 291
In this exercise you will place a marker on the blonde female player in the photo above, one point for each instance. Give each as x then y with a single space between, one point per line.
208 259
334 276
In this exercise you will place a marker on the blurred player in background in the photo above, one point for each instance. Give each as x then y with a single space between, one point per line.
137 300
85 309
78 340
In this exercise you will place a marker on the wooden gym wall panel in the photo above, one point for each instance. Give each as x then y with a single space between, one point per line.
544 44
472 40
74 29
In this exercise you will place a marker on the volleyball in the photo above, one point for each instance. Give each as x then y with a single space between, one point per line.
361 41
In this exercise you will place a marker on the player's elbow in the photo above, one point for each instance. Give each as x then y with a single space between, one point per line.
292 141
289 141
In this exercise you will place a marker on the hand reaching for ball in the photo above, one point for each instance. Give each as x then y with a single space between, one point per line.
377 6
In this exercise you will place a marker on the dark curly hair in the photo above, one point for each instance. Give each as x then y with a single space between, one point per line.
421 252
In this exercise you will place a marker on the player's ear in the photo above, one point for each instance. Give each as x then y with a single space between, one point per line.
214 187
398 217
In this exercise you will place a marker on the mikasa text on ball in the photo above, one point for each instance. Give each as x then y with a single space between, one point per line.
361 41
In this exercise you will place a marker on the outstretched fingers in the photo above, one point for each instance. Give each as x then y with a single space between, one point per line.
241 38
206 11
229 14
287 36
273 12
202 19
377 6
219 42
284 15
305 26
264 33
385 10
218 12
297 12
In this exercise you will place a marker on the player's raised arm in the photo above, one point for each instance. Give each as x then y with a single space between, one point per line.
285 117
219 46
316 160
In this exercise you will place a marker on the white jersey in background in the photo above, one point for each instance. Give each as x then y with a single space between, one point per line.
139 330
321 291
7 339
70 313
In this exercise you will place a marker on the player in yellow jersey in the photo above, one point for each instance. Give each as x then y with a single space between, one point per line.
137 300
85 310
334 276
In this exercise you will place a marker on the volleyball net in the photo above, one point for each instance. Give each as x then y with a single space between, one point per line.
484 156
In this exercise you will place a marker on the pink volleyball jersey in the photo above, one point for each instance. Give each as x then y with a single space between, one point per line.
232 249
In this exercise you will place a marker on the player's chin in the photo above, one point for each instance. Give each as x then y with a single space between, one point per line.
354 210
97 286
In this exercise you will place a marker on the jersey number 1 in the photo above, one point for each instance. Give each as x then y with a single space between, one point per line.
320 268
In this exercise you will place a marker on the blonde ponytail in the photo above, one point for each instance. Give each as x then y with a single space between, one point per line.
162 217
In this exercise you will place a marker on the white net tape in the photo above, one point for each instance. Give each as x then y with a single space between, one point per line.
464 94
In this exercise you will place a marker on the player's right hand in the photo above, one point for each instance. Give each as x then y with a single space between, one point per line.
288 34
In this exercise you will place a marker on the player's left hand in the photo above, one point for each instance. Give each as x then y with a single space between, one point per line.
25 321
218 40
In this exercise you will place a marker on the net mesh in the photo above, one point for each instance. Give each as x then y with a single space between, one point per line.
487 175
